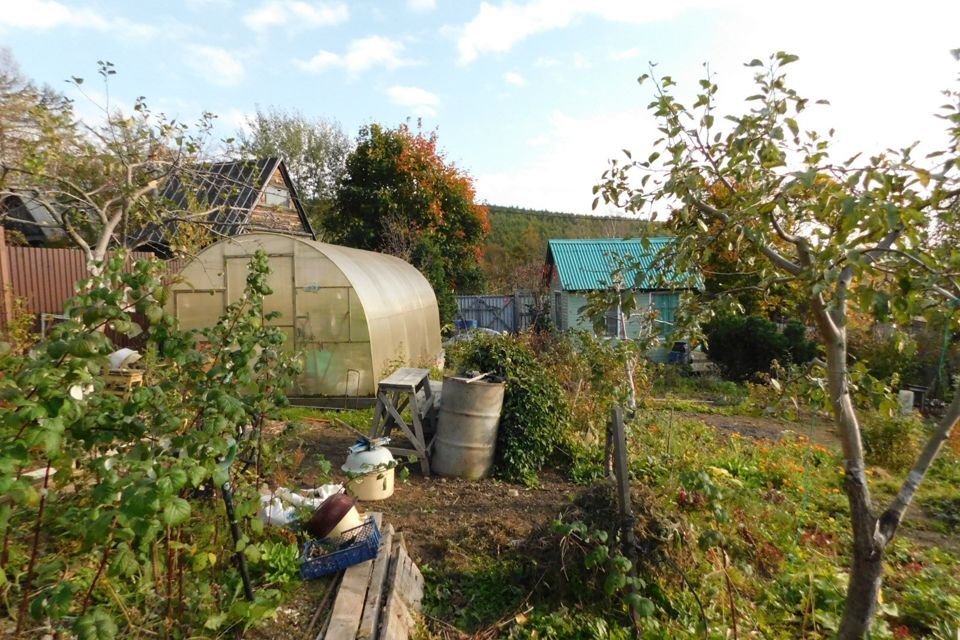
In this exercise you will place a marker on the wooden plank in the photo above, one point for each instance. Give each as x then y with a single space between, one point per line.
421 442
6 283
411 436
397 620
347 608
405 377
403 451
404 595
375 427
370 619
623 483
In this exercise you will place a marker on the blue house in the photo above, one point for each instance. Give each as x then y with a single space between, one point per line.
575 268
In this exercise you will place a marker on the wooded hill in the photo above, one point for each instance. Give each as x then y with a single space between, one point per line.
517 244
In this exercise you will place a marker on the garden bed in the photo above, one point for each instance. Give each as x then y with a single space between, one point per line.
494 562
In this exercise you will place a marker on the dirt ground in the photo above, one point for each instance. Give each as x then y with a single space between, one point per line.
433 512
820 431
444 519
437 516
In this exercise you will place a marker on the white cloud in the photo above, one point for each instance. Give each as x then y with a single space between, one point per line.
296 14
869 108
219 66
580 61
322 61
421 101
572 155
237 119
514 78
42 15
360 55
626 54
497 28
421 5
543 62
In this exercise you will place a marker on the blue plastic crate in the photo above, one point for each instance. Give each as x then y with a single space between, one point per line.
352 547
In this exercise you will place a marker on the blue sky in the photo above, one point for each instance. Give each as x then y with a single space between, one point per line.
531 97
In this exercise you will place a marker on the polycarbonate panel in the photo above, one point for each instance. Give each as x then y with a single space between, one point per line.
323 315
390 318
198 309
358 320
280 281
236 278
336 369
314 270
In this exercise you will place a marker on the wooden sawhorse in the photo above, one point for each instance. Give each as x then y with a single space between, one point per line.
405 387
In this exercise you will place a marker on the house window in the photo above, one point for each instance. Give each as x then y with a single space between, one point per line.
665 304
274 196
611 322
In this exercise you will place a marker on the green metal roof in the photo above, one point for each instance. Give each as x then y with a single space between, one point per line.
588 265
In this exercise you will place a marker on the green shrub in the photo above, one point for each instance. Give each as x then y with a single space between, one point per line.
893 443
535 411
884 355
669 379
744 346
801 349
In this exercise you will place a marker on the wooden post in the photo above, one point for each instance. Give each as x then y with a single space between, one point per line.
6 283
628 540
623 485
516 312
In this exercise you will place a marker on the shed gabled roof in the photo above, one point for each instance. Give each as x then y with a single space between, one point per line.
38 223
232 188
588 265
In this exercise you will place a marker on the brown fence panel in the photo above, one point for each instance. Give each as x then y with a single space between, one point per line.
45 278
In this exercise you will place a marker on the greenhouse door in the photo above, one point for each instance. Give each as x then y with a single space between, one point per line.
280 281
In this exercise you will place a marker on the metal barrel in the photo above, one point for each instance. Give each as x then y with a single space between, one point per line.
467 428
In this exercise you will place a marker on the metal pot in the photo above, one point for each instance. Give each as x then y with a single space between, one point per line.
334 516
371 472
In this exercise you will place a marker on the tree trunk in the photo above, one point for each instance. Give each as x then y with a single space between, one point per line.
866 570
866 575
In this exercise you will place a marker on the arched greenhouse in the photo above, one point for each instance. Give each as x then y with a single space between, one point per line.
354 315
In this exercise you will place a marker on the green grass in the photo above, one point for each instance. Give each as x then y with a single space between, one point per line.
672 381
693 406
359 419
767 519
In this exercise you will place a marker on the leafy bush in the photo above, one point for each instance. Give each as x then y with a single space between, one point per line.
744 346
670 379
133 536
591 372
535 411
281 562
801 349
893 443
884 354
